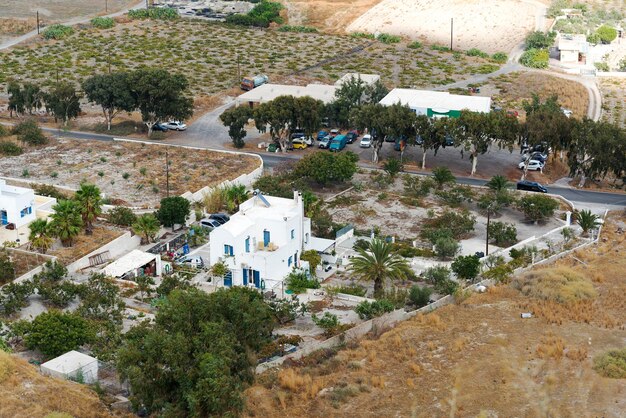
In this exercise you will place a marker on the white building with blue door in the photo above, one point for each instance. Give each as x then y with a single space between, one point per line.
262 243
17 205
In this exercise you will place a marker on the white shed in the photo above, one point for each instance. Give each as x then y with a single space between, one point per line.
72 365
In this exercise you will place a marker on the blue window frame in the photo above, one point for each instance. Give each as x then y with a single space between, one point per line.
26 211
228 249
266 238
289 261
293 233
248 244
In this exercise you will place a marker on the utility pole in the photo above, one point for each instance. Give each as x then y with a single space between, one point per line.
238 70
487 239
167 175
106 6
451 33
37 22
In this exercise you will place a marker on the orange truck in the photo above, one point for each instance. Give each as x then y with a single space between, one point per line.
248 83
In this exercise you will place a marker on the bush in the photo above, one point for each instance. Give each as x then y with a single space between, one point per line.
328 322
299 283
362 35
459 225
48 190
539 40
103 22
606 34
299 29
9 148
437 274
3 131
475 52
415 45
611 364
419 296
353 289
535 58
29 133
446 287
502 234
558 284
455 196
466 267
602 66
392 167
157 13
441 48
537 207
408 251
388 39
594 38
446 247
500 57
368 310
261 15
57 31
122 216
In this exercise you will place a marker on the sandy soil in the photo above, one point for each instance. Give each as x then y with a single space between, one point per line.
51 11
490 25
478 358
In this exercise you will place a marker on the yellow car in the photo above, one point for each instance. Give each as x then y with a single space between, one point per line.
299 143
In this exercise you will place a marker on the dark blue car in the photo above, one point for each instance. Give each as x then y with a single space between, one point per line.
321 135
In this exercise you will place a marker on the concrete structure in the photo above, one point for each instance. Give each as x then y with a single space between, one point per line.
262 243
323 92
437 103
72 365
573 49
135 263
17 205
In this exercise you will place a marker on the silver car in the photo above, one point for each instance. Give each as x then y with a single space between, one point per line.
175 125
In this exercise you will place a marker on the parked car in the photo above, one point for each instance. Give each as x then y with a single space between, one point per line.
175 125
366 141
390 138
334 132
419 140
533 165
328 268
220 217
325 142
338 143
273 148
299 143
159 127
193 261
539 156
210 223
352 136
449 142
399 144
531 186
321 135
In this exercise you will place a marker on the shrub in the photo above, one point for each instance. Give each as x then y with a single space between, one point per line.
475 52
558 284
48 190
441 48
157 13
456 196
466 267
594 38
502 234
102 22
606 34
500 273
29 133
437 274
415 45
300 29
443 176
500 57
328 322
408 251
392 167
446 287
362 35
535 58
537 207
261 15
368 310
459 225
57 31
9 148
388 39
3 131
611 364
299 283
122 216
539 40
419 296
446 247
601 66
353 289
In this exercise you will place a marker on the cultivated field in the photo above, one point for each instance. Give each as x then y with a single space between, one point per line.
59 10
490 25
127 173
614 100
209 53
478 358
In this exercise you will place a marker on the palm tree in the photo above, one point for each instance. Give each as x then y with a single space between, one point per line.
588 221
443 176
236 195
66 221
40 236
147 225
498 183
377 262
90 201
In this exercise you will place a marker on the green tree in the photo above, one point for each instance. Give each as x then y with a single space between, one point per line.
278 117
173 210
607 34
537 207
324 168
160 95
431 134
539 40
112 92
378 263
443 176
122 216
466 267
63 102
235 196
588 221
373 119
144 284
90 202
41 235
66 221
7 268
502 234
535 58
393 167
313 258
147 226
33 97
13 296
29 132
446 247
308 114
196 357
498 183
236 119
55 333
16 99
375 92
52 286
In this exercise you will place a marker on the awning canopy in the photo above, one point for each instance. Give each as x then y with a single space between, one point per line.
320 244
131 261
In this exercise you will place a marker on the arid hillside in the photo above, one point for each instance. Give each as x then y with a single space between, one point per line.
479 357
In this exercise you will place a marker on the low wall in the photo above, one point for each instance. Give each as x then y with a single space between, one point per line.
116 248
620 74
29 274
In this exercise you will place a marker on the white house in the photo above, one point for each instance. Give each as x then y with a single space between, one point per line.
573 49
17 205
262 243
72 365
437 103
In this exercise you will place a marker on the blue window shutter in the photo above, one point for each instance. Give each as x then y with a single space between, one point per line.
225 249
248 244
293 233
289 261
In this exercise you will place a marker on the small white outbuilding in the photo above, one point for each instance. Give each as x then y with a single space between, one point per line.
72 365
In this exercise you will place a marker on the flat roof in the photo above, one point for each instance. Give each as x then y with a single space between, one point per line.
132 260
68 362
368 79
254 211
268 92
320 244
439 100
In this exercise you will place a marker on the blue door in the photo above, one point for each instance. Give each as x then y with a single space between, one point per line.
228 279
266 238
3 215
245 277
257 278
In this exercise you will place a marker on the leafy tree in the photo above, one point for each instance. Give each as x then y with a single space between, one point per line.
278 117
350 95
376 92
63 102
41 235
52 286
173 210
7 268
466 267
236 119
33 97
144 284
177 280
55 333
66 221
588 221
372 118
393 167
378 263
16 99
147 226
90 201
324 168
443 176
502 234
313 258
539 40
286 310
368 310
299 282
122 216
160 95
197 355
432 134
606 33
235 196
498 183
419 296
308 114
100 303
446 247
29 133
537 207
112 92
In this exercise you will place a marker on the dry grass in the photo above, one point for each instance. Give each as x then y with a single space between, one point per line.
26 393
551 346
558 284
85 244
16 26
